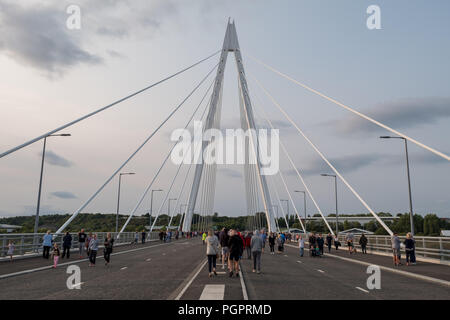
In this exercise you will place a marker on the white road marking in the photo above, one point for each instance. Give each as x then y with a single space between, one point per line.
213 292
148 259
190 281
363 290
404 273
320 270
244 288
221 272
123 268
285 255
299 262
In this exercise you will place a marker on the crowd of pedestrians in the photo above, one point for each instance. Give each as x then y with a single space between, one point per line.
227 246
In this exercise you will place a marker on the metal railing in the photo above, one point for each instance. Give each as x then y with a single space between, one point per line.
430 248
31 243
433 249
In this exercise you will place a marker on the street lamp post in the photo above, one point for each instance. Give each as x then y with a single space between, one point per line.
304 202
151 208
36 220
118 199
411 214
335 192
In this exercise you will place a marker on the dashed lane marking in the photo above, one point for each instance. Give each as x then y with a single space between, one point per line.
213 292
148 259
3 276
321 271
123 268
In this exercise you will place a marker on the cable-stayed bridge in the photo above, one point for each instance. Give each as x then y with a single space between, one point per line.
184 258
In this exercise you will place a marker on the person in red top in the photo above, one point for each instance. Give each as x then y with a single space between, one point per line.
247 241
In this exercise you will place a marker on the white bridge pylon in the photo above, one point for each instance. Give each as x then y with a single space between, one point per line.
230 44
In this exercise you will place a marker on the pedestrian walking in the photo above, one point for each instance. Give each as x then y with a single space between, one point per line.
212 251
280 243
136 237
223 240
204 237
11 248
409 249
247 244
301 246
263 237
320 243
236 247
88 240
337 243
81 242
272 238
108 248
55 255
349 239
47 244
313 246
363 243
143 235
329 240
67 245
395 244
256 244
93 248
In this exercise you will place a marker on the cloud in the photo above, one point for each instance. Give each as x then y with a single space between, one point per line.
353 163
37 36
53 159
63 195
406 113
342 164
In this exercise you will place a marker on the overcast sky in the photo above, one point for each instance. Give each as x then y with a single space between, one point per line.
50 75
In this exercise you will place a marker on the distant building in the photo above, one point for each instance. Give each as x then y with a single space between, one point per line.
355 231
9 227
445 233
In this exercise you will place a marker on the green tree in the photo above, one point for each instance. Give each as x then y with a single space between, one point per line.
431 225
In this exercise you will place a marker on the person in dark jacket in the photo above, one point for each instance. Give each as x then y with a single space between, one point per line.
363 243
329 240
410 248
236 247
108 248
312 241
143 236
67 244
320 243
272 238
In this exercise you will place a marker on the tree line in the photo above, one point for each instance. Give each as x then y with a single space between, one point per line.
429 225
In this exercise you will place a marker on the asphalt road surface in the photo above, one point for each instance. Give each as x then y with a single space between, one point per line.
178 270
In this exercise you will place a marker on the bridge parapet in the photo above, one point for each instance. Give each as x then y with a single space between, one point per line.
23 242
